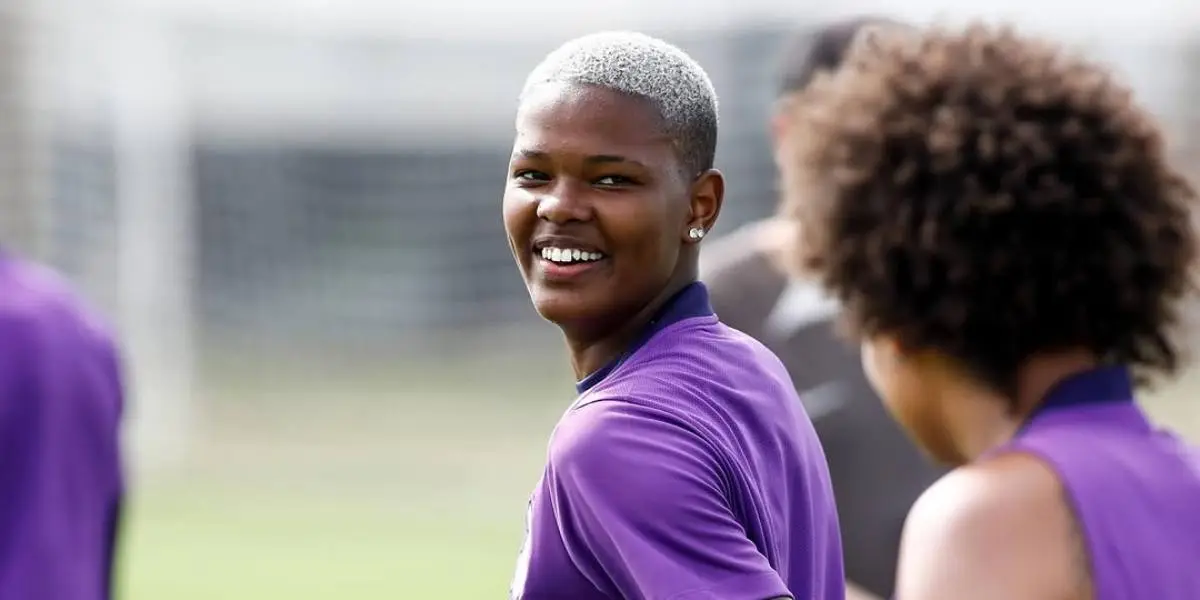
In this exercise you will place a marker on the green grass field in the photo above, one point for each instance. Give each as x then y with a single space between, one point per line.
197 542
370 488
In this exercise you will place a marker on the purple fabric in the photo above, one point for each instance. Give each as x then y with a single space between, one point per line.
1135 491
686 471
60 468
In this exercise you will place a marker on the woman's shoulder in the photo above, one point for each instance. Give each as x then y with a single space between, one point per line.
651 395
611 419
705 351
725 377
1010 507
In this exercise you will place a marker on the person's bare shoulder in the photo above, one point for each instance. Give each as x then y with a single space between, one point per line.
996 530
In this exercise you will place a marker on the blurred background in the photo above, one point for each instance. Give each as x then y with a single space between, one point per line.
291 211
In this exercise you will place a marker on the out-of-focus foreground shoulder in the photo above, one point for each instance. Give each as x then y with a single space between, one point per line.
999 529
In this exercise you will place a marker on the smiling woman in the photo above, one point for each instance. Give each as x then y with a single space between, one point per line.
587 155
686 469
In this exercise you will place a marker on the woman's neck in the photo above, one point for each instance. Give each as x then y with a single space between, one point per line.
981 421
590 353
985 420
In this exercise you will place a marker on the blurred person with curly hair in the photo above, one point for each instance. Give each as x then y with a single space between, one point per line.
877 471
999 221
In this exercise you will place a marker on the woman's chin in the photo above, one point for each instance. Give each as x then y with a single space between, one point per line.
561 312
565 308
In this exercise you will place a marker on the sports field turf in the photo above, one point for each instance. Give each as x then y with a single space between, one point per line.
368 488
331 485
193 544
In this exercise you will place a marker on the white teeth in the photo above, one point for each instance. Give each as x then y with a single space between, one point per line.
569 255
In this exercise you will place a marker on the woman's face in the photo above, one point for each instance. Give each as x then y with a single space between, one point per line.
597 208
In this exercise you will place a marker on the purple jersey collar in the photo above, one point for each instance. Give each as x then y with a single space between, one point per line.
1104 385
691 301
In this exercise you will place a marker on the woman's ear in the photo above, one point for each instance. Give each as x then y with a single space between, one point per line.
707 195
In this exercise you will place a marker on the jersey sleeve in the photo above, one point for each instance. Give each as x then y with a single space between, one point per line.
641 503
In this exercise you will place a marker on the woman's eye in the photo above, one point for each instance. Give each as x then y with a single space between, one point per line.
531 176
614 180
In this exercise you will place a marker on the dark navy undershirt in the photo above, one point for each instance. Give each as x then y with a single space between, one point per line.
691 301
1103 385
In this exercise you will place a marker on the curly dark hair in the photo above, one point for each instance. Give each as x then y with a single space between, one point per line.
991 197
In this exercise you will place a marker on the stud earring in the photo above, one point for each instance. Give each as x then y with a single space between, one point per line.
695 233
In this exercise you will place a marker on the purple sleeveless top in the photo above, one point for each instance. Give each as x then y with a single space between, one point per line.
1135 490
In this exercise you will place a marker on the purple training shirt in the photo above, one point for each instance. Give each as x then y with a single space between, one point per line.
686 470
1135 490
60 468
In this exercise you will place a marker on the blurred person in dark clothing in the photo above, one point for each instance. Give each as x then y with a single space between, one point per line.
877 471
